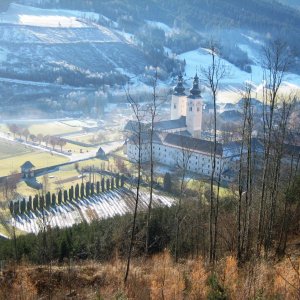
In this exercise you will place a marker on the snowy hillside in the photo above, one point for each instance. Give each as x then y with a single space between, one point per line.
105 205
26 15
235 78
66 46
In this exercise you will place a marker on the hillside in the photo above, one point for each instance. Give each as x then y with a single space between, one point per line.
261 16
47 52
157 278
291 3
65 47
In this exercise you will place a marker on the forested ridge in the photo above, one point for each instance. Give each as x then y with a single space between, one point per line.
266 17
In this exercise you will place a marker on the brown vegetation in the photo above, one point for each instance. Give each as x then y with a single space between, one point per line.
158 277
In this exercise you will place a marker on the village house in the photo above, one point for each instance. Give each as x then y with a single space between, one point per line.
27 170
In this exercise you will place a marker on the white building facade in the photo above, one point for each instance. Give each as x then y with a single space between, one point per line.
176 142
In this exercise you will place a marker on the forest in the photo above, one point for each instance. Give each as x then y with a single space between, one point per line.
265 17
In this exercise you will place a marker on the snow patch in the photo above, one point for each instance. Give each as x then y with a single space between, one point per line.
167 29
200 59
3 54
102 206
32 16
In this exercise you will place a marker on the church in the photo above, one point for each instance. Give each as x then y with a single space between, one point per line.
177 142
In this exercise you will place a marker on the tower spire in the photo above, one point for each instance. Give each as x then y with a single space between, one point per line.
179 88
195 90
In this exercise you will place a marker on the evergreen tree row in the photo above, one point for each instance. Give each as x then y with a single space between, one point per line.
73 194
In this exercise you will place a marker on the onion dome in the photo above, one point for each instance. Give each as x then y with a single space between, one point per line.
179 88
195 90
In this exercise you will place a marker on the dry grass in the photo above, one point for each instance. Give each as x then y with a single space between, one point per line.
153 278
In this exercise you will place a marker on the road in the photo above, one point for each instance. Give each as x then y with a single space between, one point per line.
73 157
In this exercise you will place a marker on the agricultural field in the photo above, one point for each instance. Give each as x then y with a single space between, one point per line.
65 177
97 138
48 127
13 155
52 128
10 149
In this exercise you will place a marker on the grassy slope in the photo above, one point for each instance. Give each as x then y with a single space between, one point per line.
156 277
38 158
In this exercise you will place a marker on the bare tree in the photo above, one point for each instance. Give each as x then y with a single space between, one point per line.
53 141
275 62
213 74
26 134
138 138
183 161
245 178
61 142
47 139
153 106
40 138
13 128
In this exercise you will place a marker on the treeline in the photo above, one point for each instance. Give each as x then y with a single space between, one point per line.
73 194
266 17
59 75
39 138
104 239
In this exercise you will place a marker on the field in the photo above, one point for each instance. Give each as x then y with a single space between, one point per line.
47 128
52 128
64 178
103 136
10 149
13 155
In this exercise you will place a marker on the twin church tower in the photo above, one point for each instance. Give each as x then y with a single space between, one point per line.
189 106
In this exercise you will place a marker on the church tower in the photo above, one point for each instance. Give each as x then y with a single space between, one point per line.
178 103
194 110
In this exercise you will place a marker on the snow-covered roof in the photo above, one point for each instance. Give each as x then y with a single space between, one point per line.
191 143
171 124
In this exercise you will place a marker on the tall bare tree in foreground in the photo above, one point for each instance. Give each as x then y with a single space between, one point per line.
278 152
245 182
213 74
153 113
275 62
138 139
183 161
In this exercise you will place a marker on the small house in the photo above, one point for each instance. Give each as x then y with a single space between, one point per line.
27 170
101 154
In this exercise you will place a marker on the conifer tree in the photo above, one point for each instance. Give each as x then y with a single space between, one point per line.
82 190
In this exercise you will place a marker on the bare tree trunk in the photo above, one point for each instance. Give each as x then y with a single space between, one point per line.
249 182
278 155
240 188
138 137
213 74
153 110
183 166
276 60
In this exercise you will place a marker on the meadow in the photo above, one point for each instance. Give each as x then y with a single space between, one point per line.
13 155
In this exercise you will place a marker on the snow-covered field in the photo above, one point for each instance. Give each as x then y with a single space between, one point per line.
105 205
35 40
167 29
235 78
32 16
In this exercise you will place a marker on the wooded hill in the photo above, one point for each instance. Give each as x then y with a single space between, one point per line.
265 17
